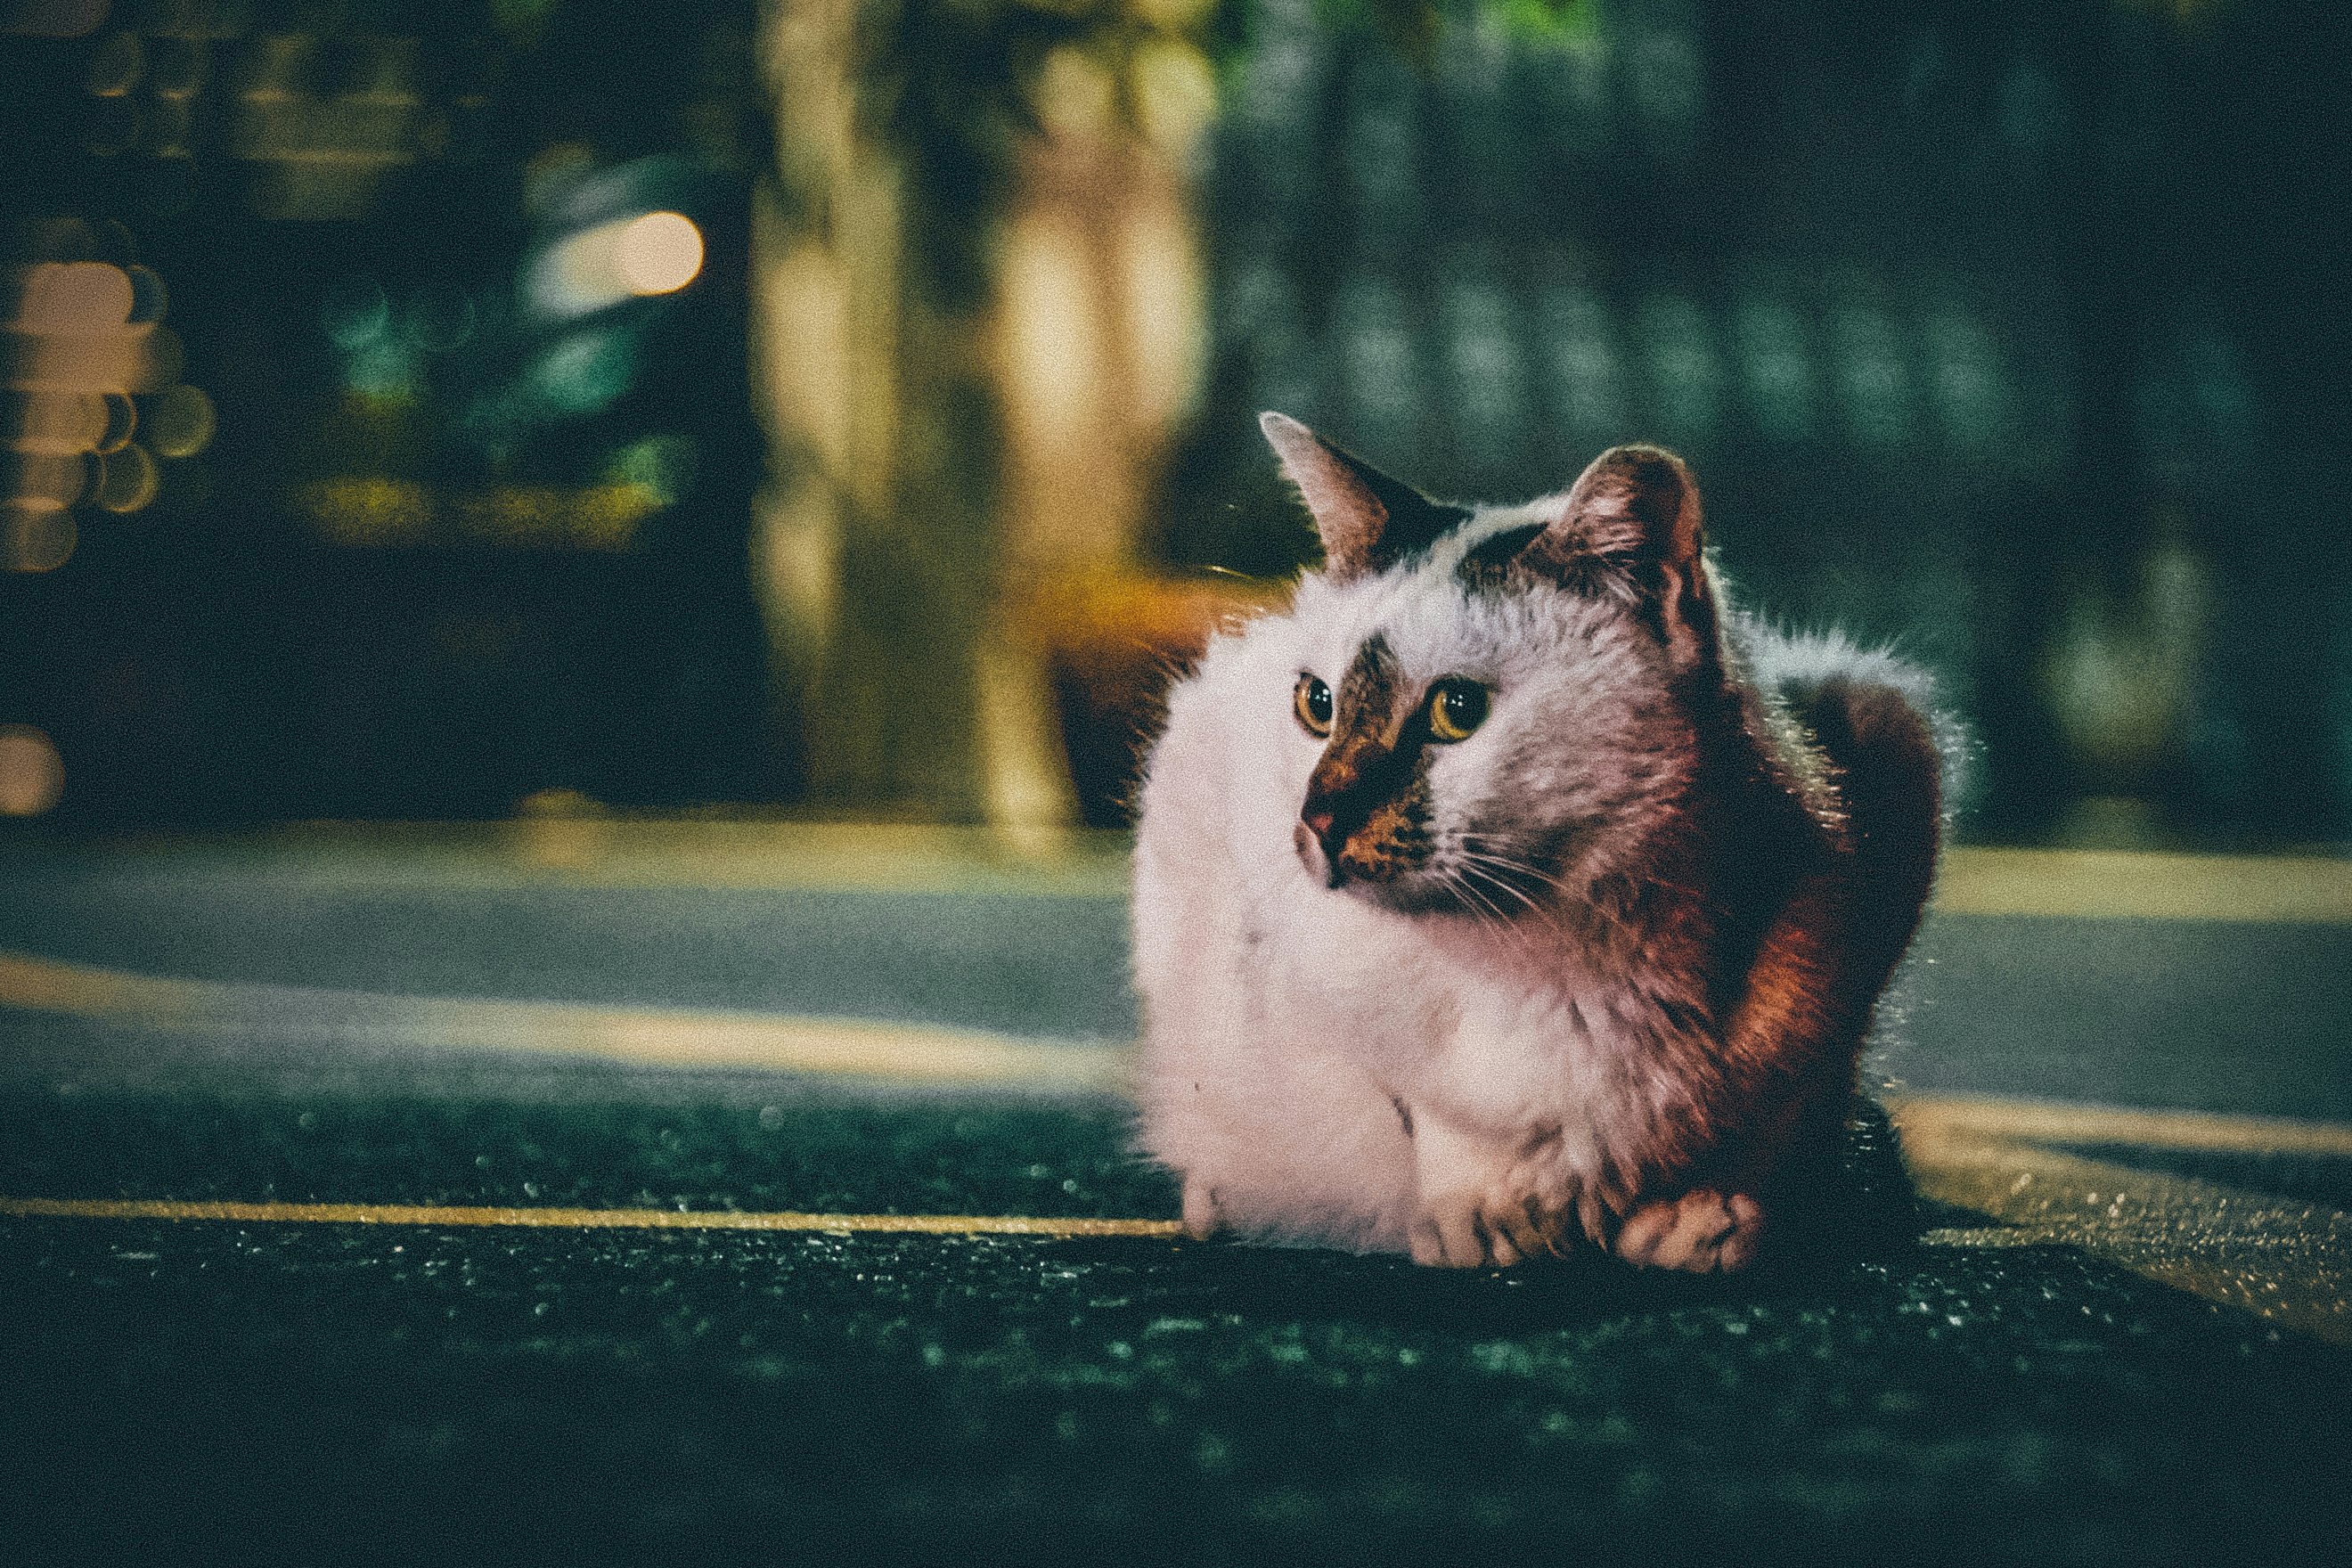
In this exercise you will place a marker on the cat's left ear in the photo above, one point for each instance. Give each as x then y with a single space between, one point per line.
1631 529
1368 521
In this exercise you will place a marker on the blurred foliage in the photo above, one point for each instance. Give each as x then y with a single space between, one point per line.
952 85
1414 26
952 97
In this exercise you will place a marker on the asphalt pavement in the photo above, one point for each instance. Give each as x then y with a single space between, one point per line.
591 1192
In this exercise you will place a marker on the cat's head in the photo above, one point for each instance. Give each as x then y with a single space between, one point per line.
1499 698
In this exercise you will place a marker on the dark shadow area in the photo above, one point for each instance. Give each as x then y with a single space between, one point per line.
793 1150
397 1393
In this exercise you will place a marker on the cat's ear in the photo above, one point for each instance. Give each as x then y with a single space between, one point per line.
1631 528
1368 521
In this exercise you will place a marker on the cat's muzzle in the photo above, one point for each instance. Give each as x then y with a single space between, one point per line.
1372 857
1323 839
1320 861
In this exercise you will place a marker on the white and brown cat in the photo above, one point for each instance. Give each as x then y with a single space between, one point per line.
1508 893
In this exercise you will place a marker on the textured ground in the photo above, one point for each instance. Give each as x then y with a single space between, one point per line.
2051 1372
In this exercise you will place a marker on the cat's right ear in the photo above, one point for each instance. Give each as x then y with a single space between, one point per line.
1368 521
1631 530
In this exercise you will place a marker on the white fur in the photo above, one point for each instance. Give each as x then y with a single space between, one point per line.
1287 1022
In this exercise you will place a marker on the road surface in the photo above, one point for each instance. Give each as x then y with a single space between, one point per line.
589 1191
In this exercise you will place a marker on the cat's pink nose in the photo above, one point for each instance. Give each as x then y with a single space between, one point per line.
1319 822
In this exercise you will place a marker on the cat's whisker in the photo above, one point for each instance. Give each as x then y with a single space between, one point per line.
1513 923
1479 907
1594 903
1485 850
1502 884
1507 875
1518 870
1482 904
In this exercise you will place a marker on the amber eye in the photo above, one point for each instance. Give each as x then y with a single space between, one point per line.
1313 700
1455 708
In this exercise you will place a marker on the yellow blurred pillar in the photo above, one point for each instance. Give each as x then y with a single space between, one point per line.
952 482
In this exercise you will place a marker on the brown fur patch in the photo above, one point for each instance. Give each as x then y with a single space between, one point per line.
1630 532
1487 564
1822 860
1889 779
1367 800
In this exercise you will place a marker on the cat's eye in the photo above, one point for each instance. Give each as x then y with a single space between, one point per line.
1313 701
1455 708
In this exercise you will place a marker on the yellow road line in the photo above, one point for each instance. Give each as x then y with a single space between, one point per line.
2110 884
2286 1261
666 1036
583 1219
2059 1122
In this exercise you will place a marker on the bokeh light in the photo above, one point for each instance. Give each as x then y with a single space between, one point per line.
32 775
47 480
641 257
86 368
355 313
118 420
585 371
179 422
35 538
659 253
128 479
75 295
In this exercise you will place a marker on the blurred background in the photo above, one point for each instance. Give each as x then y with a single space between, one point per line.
467 408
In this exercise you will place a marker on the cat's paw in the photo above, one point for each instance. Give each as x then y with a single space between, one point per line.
1477 1230
1202 1217
1701 1232
1483 1201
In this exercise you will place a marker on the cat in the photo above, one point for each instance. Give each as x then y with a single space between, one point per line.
1508 894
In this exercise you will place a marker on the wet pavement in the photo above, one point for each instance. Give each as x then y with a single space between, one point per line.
2091 1365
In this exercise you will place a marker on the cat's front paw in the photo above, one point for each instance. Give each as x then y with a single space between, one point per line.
1203 1216
1496 1227
1482 1201
1701 1232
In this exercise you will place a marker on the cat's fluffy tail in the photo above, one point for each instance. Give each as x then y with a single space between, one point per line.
1895 759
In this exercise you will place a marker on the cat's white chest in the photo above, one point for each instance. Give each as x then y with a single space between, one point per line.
1416 1006
1550 1059
1358 980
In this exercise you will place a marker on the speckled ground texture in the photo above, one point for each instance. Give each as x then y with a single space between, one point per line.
227 1391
